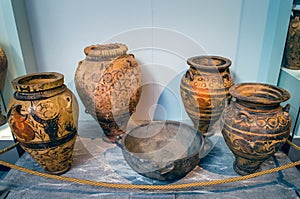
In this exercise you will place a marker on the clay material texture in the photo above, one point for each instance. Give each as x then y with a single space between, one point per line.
255 126
109 84
43 116
204 90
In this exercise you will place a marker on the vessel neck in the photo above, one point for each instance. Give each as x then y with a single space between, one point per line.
97 59
256 107
39 95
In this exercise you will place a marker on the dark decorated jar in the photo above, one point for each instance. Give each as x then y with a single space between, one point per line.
292 46
43 116
109 82
205 90
255 125
3 72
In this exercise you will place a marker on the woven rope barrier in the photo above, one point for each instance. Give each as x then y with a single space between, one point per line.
149 187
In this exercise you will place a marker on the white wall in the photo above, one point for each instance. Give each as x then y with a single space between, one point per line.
161 36
161 33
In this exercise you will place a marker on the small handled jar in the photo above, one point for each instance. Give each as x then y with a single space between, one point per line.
204 90
43 116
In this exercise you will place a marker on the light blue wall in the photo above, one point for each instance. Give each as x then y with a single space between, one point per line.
24 35
290 80
15 39
161 36
274 40
250 40
11 45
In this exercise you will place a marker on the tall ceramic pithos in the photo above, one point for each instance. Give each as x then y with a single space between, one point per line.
204 90
109 84
3 71
43 116
292 46
255 126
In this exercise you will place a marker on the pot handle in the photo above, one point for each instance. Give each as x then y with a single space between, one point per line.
286 108
189 74
169 167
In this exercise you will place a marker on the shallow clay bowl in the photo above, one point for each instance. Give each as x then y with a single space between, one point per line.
162 150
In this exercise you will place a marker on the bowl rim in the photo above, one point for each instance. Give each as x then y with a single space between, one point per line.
21 84
285 95
226 64
198 134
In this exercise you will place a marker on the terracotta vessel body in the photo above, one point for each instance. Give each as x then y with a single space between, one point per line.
3 71
43 116
292 47
109 84
167 151
255 126
204 90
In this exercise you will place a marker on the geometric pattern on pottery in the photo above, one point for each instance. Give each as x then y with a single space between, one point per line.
109 84
119 88
271 122
257 135
90 70
117 94
254 148
205 93
255 126
250 142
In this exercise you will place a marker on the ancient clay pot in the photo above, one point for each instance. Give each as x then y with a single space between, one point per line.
109 83
255 126
204 90
292 46
43 116
3 71
168 150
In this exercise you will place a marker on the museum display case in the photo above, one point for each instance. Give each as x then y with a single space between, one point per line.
149 88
